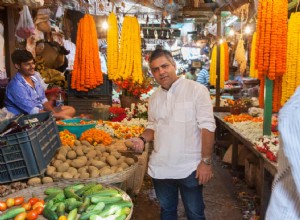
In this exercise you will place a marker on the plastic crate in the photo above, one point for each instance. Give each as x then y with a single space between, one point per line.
27 154
103 89
83 105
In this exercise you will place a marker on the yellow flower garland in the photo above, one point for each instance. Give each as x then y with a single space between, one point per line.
253 70
112 46
213 67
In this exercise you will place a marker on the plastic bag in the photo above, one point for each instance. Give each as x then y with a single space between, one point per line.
25 27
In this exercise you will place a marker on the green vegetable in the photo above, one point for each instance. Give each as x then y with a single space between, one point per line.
72 215
49 214
73 205
11 213
49 204
51 196
52 190
60 197
106 199
60 210
92 190
100 206
121 217
70 194
74 187
84 205
90 208
105 192
85 188
87 215
114 208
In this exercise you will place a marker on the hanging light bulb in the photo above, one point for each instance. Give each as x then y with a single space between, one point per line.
142 33
231 32
247 30
221 41
105 25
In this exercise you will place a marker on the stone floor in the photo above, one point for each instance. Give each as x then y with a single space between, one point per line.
225 197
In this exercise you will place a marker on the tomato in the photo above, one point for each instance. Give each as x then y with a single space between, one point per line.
32 215
3 206
39 210
21 216
32 201
42 201
27 206
10 202
62 217
37 204
19 200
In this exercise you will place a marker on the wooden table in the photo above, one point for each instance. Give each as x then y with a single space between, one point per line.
266 166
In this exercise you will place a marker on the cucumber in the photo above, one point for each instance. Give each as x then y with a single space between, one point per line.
100 206
74 187
106 199
73 205
51 196
121 217
49 214
92 190
70 194
72 215
84 205
87 215
52 190
60 197
60 210
90 208
105 192
11 213
85 188
114 208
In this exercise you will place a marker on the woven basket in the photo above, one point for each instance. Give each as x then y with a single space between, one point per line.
38 191
107 179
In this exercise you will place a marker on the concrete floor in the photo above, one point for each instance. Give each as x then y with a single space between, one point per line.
220 197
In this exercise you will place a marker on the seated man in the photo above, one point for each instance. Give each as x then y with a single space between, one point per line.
25 93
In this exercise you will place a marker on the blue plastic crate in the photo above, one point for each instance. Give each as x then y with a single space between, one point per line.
28 153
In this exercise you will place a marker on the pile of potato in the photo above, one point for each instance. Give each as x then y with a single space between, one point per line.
87 161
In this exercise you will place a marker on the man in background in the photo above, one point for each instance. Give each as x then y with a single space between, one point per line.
191 74
203 75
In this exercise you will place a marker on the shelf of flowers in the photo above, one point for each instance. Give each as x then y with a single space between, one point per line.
250 126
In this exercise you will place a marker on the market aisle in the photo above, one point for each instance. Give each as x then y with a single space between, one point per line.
219 195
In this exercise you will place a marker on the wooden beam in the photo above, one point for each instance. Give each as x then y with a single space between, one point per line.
202 7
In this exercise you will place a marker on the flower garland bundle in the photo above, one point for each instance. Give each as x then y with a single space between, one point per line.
291 80
213 67
240 56
271 37
130 60
87 70
226 62
222 65
253 70
261 91
112 46
277 94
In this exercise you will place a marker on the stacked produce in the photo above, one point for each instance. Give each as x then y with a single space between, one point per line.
86 73
291 79
85 161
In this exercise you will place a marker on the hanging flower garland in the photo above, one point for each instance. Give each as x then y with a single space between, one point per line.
226 57
86 72
222 65
277 94
253 70
213 67
112 46
240 56
291 80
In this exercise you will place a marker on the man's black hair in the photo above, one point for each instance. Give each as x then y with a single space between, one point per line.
21 56
193 69
159 53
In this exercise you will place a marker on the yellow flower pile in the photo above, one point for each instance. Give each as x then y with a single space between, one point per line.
291 79
253 70
112 46
130 56
125 132
224 65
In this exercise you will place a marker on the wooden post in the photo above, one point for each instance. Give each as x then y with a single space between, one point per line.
268 106
218 91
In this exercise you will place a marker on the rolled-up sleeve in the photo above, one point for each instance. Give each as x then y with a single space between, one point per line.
204 110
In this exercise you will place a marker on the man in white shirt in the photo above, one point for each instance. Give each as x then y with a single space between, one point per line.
285 197
182 125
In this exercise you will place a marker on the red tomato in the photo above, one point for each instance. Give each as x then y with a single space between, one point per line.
10 202
27 206
32 215
21 216
32 201
3 206
39 210
19 200
37 204
42 201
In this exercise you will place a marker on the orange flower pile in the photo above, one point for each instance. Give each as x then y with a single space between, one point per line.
238 118
86 72
271 44
95 136
67 138
125 132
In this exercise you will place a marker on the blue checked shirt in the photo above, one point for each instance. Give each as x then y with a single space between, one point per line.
22 98
203 77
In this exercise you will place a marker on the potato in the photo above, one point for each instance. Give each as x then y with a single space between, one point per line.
124 165
72 171
56 163
67 175
77 142
57 175
128 144
77 163
121 160
86 143
100 148
83 158
63 151
119 169
111 160
91 154
129 161
105 171
94 173
34 181
76 176
71 155
84 176
86 149
79 151
68 161
116 154
47 179
61 157
103 159
105 154
114 168
98 164
91 168
82 170
63 167
50 170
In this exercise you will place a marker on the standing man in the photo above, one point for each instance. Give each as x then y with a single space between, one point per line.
191 74
25 93
203 76
182 125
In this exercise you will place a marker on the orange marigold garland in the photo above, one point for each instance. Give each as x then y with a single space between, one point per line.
112 46
277 94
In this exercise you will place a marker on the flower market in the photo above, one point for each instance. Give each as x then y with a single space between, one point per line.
153 109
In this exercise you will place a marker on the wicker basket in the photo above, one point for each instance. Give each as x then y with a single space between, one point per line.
108 179
38 192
